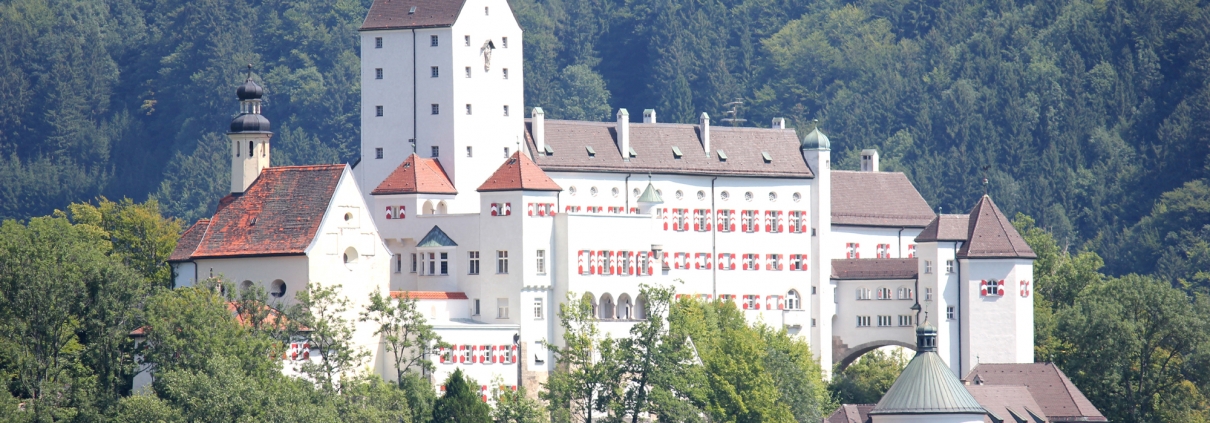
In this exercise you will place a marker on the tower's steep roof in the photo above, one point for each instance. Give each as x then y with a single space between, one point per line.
927 386
991 235
406 14
885 199
416 175
279 214
519 173
946 227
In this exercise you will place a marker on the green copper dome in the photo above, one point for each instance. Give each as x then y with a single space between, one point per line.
816 141
927 386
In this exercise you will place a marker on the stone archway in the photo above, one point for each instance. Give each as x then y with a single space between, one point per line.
843 355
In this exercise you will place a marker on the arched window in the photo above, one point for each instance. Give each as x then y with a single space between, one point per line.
884 293
350 255
793 301
606 307
591 300
428 208
277 289
904 293
640 308
441 208
245 285
250 149
625 308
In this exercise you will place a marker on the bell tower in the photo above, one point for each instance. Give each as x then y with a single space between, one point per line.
249 135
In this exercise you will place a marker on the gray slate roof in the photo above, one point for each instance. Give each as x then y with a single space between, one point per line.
946 227
991 235
653 145
1057 397
436 238
393 14
927 386
866 269
886 199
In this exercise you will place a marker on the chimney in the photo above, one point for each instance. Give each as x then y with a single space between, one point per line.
649 116
624 134
869 160
705 123
779 123
538 129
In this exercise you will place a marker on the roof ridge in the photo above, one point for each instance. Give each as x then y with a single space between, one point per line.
306 167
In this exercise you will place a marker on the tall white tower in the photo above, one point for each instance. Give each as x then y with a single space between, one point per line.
817 151
249 135
443 79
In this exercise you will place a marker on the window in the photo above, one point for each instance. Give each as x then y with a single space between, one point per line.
748 221
863 294
506 152
904 293
773 221
949 266
445 263
928 294
851 250
991 288
378 153
911 251
468 109
472 262
506 110
949 313
502 308
475 307
884 293
378 73
505 73
436 109
792 300
485 11
467 39
413 262
798 262
378 111
680 222
469 152
863 321
537 309
398 263
431 263
884 251
377 42
433 41
504 42
884 321
797 223
812 322
435 72
624 259
702 220
541 261
750 262
501 261
928 267
905 320
435 151
468 71
724 219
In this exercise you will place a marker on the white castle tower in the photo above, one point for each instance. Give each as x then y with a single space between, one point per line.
249 135
464 61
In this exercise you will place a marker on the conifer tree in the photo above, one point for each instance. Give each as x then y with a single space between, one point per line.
460 404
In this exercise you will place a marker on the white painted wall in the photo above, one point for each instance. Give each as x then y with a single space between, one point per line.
996 329
850 308
868 237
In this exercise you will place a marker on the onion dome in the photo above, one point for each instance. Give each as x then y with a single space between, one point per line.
816 141
249 122
249 91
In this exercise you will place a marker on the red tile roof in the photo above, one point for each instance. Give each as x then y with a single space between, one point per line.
858 269
430 295
991 235
1057 397
653 144
519 173
279 214
851 413
417 175
946 227
189 240
393 14
877 199
1005 401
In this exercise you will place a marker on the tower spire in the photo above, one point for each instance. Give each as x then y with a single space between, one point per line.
249 135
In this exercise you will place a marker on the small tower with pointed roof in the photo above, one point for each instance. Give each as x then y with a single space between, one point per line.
817 152
249 134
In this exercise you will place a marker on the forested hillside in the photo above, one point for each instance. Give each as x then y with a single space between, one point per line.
1080 114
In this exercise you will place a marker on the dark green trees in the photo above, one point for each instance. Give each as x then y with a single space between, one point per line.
460 403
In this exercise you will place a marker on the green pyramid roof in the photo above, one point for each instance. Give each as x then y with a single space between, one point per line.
650 195
436 238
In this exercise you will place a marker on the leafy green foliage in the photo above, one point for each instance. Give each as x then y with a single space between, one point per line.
460 404
588 374
868 378
405 332
515 406
322 310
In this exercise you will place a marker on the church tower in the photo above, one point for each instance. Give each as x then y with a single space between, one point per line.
249 137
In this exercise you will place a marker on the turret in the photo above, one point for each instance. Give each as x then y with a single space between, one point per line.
249 134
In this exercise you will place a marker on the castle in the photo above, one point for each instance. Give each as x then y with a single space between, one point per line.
492 219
